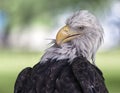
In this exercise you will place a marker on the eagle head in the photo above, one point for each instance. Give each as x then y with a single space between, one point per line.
81 36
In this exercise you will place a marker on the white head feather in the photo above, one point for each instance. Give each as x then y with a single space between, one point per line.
85 45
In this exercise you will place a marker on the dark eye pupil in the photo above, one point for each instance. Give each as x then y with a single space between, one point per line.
81 28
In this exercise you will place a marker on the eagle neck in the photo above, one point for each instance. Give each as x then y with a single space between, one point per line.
65 51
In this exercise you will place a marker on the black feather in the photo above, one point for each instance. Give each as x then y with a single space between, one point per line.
59 76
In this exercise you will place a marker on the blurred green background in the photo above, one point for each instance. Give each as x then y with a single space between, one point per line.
11 63
26 24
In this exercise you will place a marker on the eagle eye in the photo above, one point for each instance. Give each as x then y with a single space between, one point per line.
81 27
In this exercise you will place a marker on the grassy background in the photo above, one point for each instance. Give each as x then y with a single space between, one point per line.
11 63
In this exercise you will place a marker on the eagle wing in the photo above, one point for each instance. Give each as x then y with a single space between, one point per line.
89 76
59 76
51 76
22 80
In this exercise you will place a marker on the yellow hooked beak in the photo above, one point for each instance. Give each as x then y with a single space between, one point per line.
65 35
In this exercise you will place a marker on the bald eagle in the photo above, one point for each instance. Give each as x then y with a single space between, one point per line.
68 66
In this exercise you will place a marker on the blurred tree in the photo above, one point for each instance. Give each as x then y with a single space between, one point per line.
25 12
